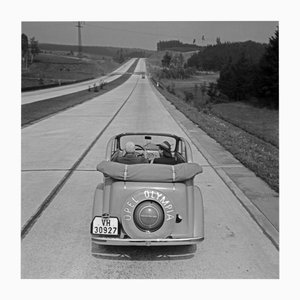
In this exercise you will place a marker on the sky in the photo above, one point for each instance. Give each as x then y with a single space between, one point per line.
145 35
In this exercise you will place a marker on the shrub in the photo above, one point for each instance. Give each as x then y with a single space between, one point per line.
188 96
213 91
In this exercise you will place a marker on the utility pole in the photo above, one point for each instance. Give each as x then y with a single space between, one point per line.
79 25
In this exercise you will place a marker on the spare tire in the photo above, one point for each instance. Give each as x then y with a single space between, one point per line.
148 214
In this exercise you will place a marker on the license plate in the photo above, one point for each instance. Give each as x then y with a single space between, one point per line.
105 226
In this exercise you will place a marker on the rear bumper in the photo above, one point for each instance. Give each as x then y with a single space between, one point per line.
145 242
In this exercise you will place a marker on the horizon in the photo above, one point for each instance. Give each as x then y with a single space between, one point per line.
83 46
146 35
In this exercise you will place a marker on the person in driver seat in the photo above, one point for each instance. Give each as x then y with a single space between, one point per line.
129 156
166 155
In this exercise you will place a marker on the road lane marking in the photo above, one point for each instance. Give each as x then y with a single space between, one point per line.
32 220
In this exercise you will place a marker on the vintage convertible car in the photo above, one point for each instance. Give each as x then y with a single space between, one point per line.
152 200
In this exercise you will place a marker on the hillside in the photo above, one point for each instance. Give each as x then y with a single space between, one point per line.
97 50
59 64
49 69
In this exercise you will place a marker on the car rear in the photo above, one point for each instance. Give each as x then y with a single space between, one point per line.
143 213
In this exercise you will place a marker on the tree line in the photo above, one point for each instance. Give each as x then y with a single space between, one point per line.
215 57
249 71
118 54
248 80
176 45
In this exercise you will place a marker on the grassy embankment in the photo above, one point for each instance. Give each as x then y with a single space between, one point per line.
249 133
35 111
51 68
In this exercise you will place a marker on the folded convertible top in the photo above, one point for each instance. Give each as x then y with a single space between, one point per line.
149 172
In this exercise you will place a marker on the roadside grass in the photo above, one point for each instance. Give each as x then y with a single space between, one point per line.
57 58
261 122
258 155
198 79
191 89
33 112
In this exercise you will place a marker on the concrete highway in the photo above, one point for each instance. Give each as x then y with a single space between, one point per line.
59 158
29 97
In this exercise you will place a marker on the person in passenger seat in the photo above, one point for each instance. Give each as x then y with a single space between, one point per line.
129 156
166 155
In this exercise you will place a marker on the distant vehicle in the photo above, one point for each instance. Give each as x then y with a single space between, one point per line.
152 203
143 75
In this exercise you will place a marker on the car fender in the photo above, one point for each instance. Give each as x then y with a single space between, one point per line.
198 213
98 201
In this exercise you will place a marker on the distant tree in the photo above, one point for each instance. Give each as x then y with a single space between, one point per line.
194 61
34 46
218 40
165 62
236 79
212 91
203 89
24 44
119 56
180 60
226 81
268 73
177 61
158 45
244 72
196 89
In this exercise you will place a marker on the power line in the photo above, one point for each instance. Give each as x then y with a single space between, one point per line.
142 32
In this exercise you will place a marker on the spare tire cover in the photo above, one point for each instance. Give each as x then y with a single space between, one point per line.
134 200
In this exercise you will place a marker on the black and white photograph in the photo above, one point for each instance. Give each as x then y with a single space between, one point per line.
149 148
147 158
